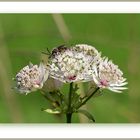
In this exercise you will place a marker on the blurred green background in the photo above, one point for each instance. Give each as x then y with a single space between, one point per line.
24 36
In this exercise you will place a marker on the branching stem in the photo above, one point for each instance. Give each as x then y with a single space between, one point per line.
88 98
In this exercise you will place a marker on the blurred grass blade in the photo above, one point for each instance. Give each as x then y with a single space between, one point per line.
62 27
5 74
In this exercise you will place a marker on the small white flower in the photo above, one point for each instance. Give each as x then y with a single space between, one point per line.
108 75
73 64
31 78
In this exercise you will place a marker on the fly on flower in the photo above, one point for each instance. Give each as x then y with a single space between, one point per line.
108 75
73 64
57 50
31 78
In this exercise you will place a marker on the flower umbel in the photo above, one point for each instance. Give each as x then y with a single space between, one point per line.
78 63
108 75
73 64
31 78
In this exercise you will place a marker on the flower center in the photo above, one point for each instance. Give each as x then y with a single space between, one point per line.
71 78
104 82
37 82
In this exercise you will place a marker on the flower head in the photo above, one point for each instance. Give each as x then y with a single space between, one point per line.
108 75
31 78
73 64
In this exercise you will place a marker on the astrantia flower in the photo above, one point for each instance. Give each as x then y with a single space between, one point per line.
73 64
108 75
31 78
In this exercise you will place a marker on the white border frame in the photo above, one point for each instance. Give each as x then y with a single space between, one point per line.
70 131
79 130
69 7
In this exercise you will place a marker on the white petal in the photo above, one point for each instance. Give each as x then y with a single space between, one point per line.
43 73
114 90
121 88
121 84
95 69
96 81
42 68
123 80
58 78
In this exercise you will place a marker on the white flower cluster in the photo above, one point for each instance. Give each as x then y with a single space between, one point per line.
82 63
79 63
73 64
31 78
108 75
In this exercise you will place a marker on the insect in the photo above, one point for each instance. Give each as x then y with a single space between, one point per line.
57 50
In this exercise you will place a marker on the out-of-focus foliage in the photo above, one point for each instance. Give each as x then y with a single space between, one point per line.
24 36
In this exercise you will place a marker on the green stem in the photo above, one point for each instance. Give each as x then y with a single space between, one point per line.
69 116
88 98
69 111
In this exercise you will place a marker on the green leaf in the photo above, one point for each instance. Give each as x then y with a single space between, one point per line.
51 111
87 114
